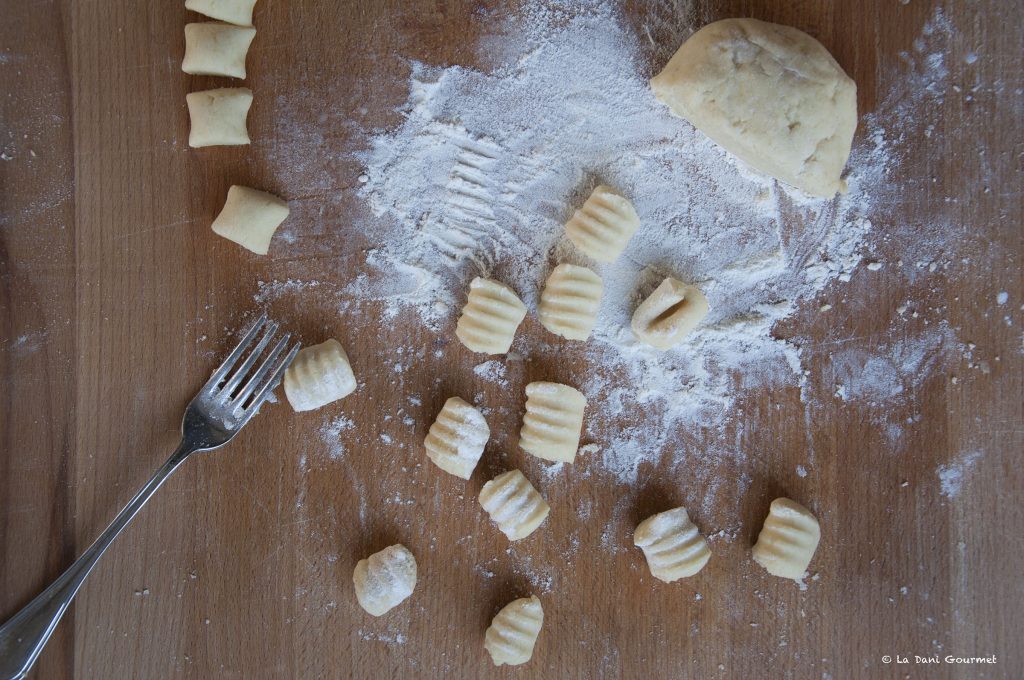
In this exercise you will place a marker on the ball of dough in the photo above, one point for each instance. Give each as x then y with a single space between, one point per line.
385 579
771 95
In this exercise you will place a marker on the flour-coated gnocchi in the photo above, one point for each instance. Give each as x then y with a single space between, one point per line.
384 579
457 438
669 313
513 632
788 539
672 545
603 225
553 421
490 318
250 218
319 375
513 504
238 12
216 49
570 300
217 117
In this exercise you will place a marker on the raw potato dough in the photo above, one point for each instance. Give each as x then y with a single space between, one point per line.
457 438
215 49
669 313
490 318
570 301
513 632
218 116
770 94
250 218
319 375
672 545
553 421
238 12
603 225
788 540
385 579
513 504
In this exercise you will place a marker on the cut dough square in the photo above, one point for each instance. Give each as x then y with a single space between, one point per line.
216 49
238 12
218 116
250 218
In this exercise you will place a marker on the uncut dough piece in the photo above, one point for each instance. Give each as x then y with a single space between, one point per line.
218 116
553 421
238 12
490 318
385 579
570 301
771 95
513 632
215 49
603 225
457 438
788 540
319 375
672 545
513 504
250 218
669 313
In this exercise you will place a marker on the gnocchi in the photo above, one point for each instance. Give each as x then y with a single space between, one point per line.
788 539
569 303
385 579
669 313
603 225
319 375
672 545
553 421
238 12
457 438
490 318
514 631
216 49
250 218
218 116
513 504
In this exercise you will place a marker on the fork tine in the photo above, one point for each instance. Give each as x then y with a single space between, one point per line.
237 352
239 375
257 379
264 392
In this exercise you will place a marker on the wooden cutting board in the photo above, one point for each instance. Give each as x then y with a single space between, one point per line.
115 302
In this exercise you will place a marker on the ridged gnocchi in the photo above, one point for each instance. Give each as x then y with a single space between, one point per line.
553 421
513 504
788 539
603 225
319 375
570 300
514 631
457 438
672 545
385 579
490 318
669 313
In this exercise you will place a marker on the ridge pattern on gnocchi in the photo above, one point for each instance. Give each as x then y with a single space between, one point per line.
457 438
318 375
788 539
490 318
553 421
570 300
603 225
672 545
513 504
513 633
385 579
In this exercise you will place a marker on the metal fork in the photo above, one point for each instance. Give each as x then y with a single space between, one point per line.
222 407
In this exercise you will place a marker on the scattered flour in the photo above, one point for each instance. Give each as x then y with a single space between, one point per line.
951 476
330 433
482 174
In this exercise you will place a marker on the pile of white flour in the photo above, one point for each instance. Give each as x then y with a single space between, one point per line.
486 168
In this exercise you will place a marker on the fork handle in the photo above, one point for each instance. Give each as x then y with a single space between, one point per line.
23 637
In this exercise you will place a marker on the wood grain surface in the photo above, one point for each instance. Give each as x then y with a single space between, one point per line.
116 301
